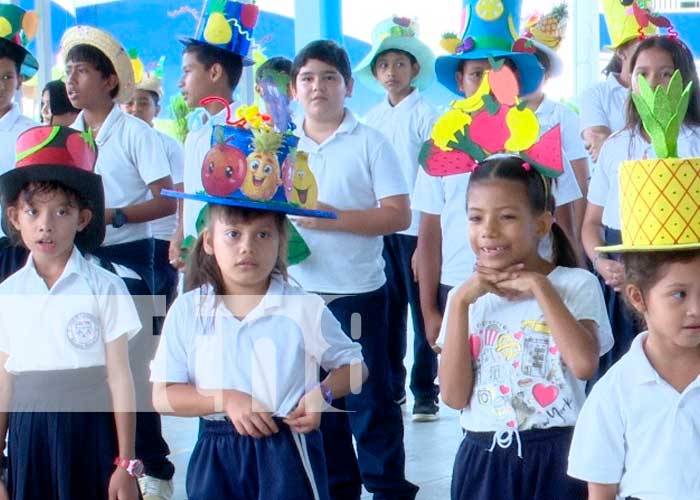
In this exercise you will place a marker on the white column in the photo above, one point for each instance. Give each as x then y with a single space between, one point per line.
44 52
586 43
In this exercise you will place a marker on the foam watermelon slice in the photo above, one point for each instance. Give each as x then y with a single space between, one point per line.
545 155
440 163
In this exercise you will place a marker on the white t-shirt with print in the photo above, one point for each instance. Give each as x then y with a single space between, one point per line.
407 126
521 382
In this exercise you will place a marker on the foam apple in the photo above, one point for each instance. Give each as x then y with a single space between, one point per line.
223 170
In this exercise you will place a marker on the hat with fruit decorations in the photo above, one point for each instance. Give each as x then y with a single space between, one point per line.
17 28
227 25
491 30
491 121
63 155
546 34
397 33
630 19
149 79
660 197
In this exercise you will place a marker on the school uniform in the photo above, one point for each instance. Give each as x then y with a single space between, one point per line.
525 401
354 170
12 123
273 354
165 275
131 156
604 104
604 191
55 340
636 430
407 126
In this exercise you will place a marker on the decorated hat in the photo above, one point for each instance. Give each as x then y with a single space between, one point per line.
627 20
251 165
660 197
397 33
17 28
149 79
65 155
491 30
491 121
227 25
111 48
546 34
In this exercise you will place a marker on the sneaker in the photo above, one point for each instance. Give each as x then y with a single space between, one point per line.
155 489
425 411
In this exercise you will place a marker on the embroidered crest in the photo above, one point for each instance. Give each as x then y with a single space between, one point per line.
83 330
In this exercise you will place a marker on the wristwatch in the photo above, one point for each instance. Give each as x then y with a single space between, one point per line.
133 467
118 218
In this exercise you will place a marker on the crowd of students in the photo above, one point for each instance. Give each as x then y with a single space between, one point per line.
525 290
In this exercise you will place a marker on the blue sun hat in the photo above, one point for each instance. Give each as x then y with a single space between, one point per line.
227 25
397 33
491 30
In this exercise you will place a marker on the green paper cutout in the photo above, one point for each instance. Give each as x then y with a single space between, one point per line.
662 111
297 249
54 132
217 6
202 217
496 65
464 143
491 105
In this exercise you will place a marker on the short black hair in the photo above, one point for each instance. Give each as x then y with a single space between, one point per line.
544 60
278 63
97 59
59 104
412 59
326 51
208 55
13 53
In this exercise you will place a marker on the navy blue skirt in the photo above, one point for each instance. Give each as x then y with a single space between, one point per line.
60 454
480 474
287 465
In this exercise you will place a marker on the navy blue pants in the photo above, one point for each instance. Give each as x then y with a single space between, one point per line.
480 474
226 465
402 292
12 258
151 448
164 275
372 417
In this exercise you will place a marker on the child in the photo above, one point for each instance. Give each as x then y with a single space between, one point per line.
402 66
273 85
134 170
638 432
656 58
354 168
520 336
603 104
64 376
441 200
209 69
56 109
145 104
241 349
16 65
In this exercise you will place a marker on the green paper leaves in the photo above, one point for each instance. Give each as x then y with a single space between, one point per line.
662 111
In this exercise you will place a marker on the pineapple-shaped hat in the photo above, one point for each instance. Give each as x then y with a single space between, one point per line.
149 79
228 25
546 34
627 20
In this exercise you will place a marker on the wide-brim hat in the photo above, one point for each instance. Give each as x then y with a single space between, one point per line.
397 34
151 83
227 25
64 155
491 31
13 36
111 48
556 64
622 24
659 206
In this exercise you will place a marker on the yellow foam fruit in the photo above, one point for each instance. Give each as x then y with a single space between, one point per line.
218 30
5 27
447 126
489 10
660 202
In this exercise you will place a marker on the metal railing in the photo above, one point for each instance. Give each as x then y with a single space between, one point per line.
671 5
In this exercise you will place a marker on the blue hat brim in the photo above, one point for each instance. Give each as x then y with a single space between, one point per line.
188 40
274 206
530 71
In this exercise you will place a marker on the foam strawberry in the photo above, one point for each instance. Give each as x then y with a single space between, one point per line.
249 15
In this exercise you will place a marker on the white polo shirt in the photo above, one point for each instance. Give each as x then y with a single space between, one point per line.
407 126
65 327
354 169
165 227
637 431
12 124
197 145
604 104
273 354
130 156
604 189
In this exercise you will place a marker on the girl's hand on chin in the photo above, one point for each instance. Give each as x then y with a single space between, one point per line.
485 280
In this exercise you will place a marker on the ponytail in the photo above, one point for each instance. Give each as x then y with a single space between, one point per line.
563 253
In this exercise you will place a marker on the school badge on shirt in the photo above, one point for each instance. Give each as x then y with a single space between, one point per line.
83 330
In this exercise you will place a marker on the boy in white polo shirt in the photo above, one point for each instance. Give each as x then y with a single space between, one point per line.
16 65
354 166
400 66
134 170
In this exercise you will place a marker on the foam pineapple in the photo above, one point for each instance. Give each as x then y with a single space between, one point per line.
137 64
218 30
450 41
550 28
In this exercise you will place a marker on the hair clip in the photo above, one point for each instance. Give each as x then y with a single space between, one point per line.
527 166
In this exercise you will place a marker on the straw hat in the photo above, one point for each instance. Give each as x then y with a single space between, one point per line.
111 48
